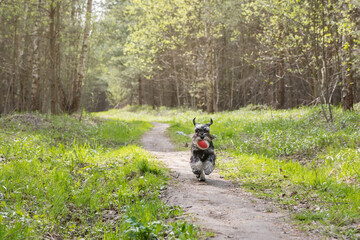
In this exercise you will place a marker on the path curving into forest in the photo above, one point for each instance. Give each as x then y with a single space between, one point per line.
217 205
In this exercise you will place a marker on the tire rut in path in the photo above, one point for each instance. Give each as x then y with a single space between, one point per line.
216 205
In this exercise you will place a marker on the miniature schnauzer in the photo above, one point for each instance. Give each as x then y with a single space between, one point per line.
202 151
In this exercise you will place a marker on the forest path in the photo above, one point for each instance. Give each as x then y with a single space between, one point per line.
216 205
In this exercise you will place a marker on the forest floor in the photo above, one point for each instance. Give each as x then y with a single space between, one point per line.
219 207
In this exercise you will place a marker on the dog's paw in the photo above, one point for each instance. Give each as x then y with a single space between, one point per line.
202 177
208 167
196 167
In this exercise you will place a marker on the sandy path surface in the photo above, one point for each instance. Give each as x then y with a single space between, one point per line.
217 205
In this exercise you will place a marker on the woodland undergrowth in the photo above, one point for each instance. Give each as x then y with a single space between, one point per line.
294 158
61 177
81 177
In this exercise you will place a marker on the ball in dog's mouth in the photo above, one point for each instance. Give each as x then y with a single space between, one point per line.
203 144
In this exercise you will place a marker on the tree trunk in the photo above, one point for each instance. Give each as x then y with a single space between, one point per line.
348 88
280 83
52 69
25 62
140 91
176 76
35 81
153 93
11 87
62 103
280 93
209 77
222 78
77 87
73 59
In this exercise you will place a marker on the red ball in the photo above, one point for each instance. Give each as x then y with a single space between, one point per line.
203 144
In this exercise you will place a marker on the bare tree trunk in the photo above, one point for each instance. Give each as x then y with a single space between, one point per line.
140 91
11 87
222 74
325 81
25 65
153 93
348 88
162 95
35 83
176 76
213 73
79 80
15 88
280 83
73 60
173 97
52 69
231 82
61 97
280 93
209 78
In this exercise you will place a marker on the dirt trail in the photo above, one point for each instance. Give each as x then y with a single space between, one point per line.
217 205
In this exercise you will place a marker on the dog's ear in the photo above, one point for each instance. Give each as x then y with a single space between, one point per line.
194 121
211 122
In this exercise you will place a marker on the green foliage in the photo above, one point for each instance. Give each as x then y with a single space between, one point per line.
114 131
179 139
160 26
68 178
59 171
107 70
155 230
152 50
308 216
147 113
285 133
295 157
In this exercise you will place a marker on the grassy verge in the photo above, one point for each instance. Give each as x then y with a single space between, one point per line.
64 178
311 167
180 136
294 157
177 118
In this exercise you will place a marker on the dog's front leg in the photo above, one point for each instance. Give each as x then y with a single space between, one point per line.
209 164
197 167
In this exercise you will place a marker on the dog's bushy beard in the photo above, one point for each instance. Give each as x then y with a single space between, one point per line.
197 139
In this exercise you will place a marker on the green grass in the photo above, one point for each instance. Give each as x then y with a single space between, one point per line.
180 140
295 157
309 166
64 178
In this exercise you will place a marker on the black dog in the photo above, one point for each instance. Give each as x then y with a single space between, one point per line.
202 151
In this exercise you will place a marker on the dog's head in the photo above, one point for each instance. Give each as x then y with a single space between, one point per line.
202 131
